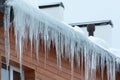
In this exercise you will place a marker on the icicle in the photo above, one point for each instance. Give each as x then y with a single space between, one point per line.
117 67
6 33
77 55
93 66
108 68
87 64
45 50
82 60
21 52
102 66
66 48
45 42
113 72
37 48
61 44
30 32
72 60
57 45
31 46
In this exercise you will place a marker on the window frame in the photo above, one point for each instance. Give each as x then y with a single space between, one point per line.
12 69
3 66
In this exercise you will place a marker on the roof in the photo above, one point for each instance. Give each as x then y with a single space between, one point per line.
51 5
96 23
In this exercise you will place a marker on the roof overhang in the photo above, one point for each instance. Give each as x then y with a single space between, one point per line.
96 23
51 5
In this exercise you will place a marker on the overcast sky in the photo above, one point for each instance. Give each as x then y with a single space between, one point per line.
93 10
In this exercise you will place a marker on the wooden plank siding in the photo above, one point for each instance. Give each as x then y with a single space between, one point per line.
1 17
0 66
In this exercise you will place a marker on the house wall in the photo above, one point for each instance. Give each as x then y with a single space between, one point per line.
1 18
0 66
39 69
117 75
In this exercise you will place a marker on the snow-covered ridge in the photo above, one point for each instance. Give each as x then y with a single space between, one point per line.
75 44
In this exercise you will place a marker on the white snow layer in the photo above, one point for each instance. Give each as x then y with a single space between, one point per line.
100 42
69 43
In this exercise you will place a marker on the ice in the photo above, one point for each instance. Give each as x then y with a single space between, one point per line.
102 66
100 42
78 29
6 33
68 41
116 52
20 47
93 67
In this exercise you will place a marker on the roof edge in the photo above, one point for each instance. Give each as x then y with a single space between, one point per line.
96 23
52 5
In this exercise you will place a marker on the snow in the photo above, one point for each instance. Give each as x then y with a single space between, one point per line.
116 52
100 42
69 42
78 29
103 44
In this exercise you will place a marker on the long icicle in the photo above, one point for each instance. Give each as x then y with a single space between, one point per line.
6 34
21 52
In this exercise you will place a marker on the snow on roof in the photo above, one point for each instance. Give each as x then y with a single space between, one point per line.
79 30
67 40
116 52
100 42
104 45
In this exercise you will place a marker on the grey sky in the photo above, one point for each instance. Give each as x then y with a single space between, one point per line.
92 10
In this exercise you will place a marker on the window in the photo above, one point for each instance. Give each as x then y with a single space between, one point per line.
12 73
4 72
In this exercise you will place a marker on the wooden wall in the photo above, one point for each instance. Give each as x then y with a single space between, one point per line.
0 66
1 17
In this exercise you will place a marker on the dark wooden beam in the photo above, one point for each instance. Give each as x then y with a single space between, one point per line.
96 23
51 5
